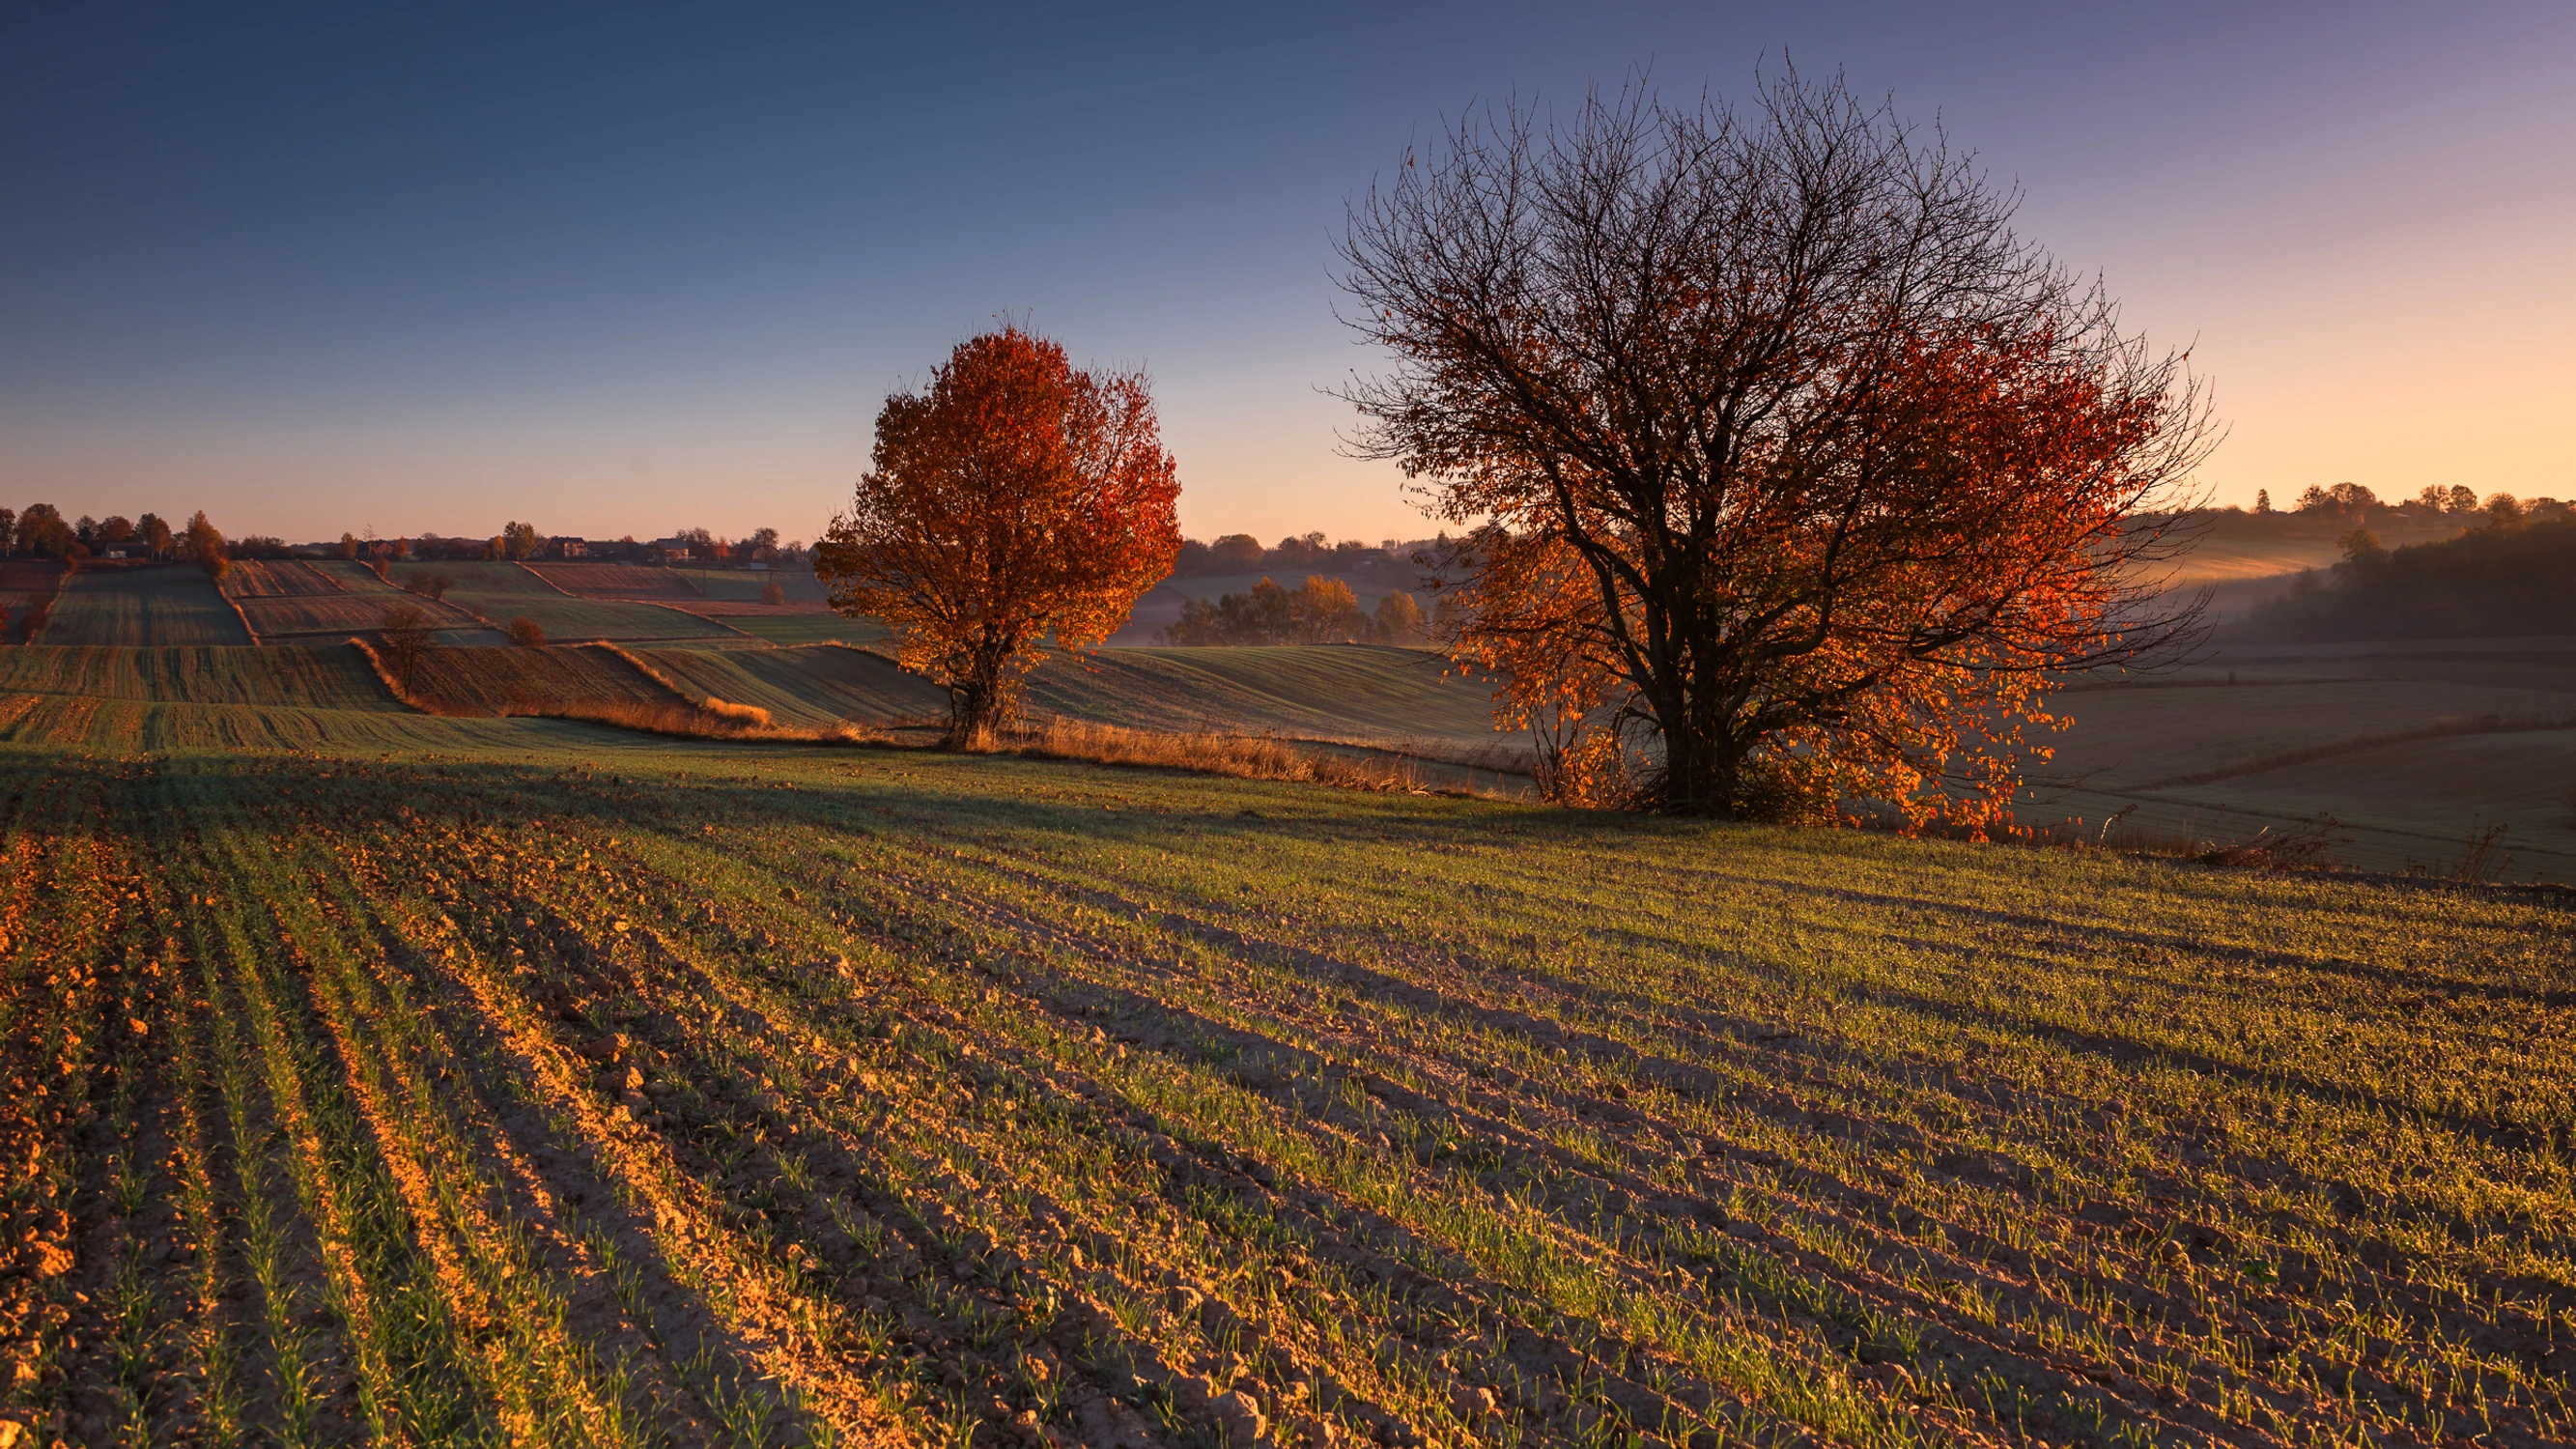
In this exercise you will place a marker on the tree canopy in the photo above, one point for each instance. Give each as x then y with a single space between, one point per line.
1791 471
206 546
1016 505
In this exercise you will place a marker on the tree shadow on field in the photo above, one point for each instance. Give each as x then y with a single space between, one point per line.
2093 933
1799 1054
646 785
682 792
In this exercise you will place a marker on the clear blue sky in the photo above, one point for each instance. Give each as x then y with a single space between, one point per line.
612 269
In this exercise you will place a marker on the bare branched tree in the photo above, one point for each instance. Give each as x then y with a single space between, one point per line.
405 635
1776 439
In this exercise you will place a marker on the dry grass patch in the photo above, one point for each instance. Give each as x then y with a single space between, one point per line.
707 719
1244 757
713 720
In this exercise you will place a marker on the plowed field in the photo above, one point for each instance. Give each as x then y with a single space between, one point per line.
338 615
252 578
143 606
570 1091
744 586
616 581
497 680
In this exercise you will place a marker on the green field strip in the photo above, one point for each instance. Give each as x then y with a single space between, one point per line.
503 680
788 630
1327 691
810 685
331 677
745 585
143 607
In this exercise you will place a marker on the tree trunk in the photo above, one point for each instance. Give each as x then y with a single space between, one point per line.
979 699
970 714
1704 761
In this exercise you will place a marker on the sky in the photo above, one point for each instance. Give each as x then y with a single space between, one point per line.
623 269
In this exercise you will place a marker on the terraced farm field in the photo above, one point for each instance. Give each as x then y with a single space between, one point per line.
27 590
744 586
339 615
252 578
143 606
503 591
480 579
1327 691
533 1082
583 619
493 681
291 676
785 628
616 581
813 685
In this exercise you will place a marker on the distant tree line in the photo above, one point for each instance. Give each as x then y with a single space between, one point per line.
41 531
2511 577
1241 553
519 542
1318 611
2360 505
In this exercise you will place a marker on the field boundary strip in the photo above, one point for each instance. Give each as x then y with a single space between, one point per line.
541 578
235 605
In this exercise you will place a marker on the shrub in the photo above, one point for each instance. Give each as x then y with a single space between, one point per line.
527 633
771 593
1399 619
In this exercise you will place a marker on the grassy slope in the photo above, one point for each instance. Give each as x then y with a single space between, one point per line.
814 684
456 625
312 676
149 606
807 628
497 679
615 581
337 616
294 696
1330 691
744 586
504 591
960 1080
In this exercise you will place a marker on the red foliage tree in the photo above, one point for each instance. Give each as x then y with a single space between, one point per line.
1797 475
1017 505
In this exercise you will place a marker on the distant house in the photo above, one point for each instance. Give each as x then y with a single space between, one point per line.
563 546
672 547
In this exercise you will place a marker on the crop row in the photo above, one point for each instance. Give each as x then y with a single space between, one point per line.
719 1097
